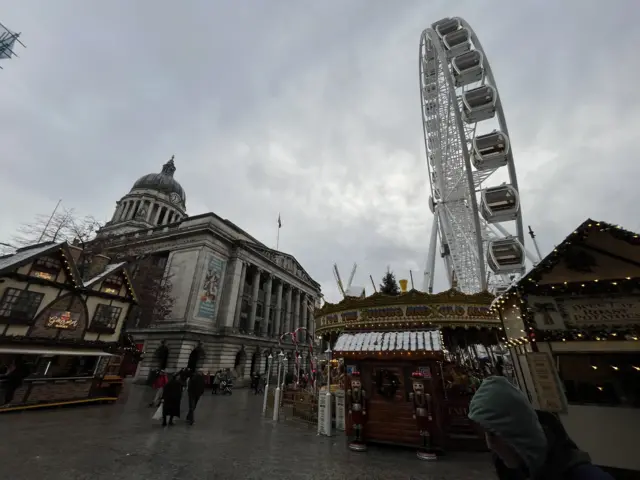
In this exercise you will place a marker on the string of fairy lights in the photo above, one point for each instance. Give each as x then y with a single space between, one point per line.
515 300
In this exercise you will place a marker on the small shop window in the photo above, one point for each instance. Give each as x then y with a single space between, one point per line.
65 366
20 305
106 316
601 379
46 267
112 284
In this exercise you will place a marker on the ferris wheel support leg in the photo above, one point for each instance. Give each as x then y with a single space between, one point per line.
429 273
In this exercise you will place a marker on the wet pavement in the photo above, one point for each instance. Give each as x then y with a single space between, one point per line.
230 440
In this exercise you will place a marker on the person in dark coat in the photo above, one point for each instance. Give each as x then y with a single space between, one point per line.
13 380
195 389
171 398
527 444
162 355
196 355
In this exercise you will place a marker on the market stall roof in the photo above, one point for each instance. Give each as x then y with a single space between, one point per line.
419 341
18 350
593 252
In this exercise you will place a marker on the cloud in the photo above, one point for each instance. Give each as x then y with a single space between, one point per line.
311 110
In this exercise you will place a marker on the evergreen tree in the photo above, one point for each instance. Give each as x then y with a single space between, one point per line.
389 285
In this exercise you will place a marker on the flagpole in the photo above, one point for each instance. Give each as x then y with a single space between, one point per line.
278 234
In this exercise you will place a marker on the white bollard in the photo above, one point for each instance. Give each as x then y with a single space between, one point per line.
327 415
276 404
266 387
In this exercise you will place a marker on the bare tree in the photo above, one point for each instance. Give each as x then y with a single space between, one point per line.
153 287
150 283
64 225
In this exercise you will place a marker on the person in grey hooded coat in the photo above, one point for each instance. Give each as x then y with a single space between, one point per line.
526 449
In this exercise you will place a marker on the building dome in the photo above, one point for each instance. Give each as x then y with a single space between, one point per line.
162 182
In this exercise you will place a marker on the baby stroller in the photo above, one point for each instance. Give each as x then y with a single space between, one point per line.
225 386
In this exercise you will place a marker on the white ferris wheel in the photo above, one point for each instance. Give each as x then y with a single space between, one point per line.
467 141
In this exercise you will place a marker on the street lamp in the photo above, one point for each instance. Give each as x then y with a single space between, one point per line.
276 396
326 428
266 388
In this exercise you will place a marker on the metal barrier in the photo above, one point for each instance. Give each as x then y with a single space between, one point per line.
300 406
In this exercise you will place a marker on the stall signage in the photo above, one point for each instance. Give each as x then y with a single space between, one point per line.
322 414
610 312
385 312
549 392
340 410
62 320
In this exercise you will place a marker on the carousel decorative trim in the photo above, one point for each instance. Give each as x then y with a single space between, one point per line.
412 297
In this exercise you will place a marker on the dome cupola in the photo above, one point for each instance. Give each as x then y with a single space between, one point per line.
163 182
155 199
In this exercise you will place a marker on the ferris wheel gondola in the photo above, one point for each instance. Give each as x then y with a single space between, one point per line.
460 104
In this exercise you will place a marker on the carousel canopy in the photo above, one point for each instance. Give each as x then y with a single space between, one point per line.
389 342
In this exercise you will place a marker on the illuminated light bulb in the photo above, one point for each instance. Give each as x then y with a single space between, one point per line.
600 388
594 367
614 367
635 368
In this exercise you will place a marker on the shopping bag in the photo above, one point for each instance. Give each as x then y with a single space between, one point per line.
158 414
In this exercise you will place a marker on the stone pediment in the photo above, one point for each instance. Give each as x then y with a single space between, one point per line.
284 261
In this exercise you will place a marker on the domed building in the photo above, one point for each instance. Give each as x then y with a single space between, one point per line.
155 199
232 297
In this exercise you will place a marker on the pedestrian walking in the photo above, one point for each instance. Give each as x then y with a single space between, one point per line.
215 384
158 385
195 389
171 398
527 445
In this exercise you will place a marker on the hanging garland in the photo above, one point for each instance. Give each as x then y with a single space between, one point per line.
387 383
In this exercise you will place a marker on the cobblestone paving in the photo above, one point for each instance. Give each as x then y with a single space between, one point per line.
229 441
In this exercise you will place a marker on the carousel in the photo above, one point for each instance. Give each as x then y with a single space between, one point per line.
409 364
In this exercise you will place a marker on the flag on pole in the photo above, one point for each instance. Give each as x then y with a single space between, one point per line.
279 222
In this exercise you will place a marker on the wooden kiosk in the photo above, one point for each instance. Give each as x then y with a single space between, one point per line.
572 326
387 339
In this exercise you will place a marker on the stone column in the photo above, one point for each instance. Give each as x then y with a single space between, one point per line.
288 318
157 218
236 316
278 312
227 309
305 310
254 299
296 309
267 306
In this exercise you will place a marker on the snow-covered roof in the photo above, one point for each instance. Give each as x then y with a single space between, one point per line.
389 341
110 268
26 253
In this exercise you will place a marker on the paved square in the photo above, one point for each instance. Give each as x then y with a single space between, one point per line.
229 440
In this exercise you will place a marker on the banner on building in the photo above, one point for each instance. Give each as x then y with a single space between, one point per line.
211 287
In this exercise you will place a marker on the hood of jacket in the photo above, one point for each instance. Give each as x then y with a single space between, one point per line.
502 409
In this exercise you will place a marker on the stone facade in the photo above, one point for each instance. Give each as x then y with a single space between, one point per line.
230 292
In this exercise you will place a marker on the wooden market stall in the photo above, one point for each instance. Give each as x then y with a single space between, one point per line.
389 338
60 330
572 325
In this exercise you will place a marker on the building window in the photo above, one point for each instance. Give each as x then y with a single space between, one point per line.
106 317
20 305
46 268
112 284
601 379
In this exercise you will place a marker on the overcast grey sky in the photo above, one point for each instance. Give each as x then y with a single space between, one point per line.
311 109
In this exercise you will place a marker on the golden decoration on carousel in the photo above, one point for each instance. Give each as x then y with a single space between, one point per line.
412 309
